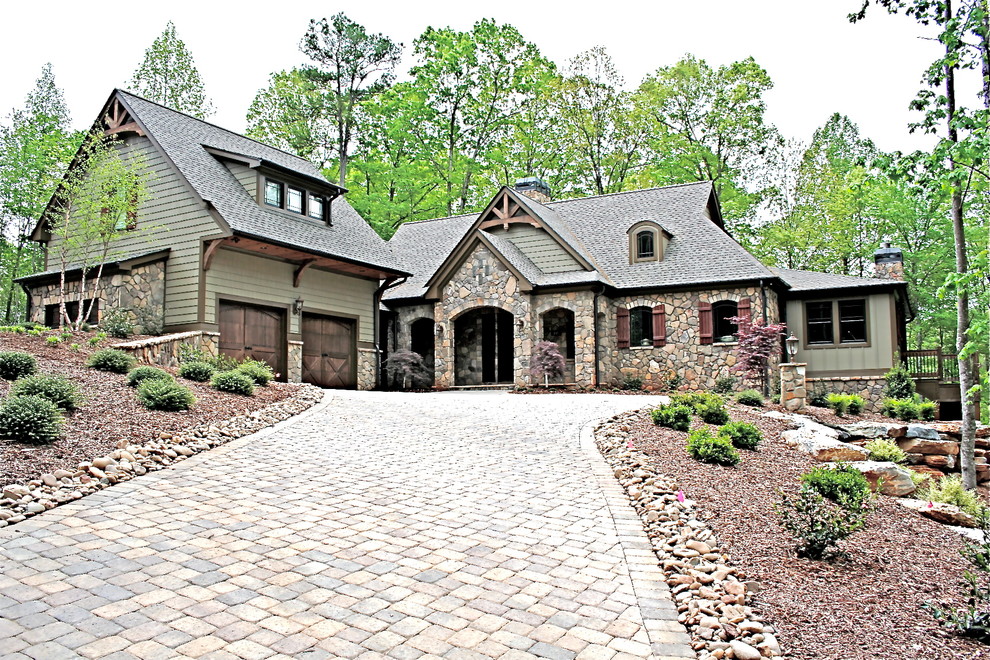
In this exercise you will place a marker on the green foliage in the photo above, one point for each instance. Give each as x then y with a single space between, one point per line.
138 375
196 370
116 322
899 383
707 448
750 398
15 364
973 620
111 359
95 340
30 419
906 410
632 383
819 523
672 416
883 449
839 403
220 362
168 75
712 412
697 400
724 384
164 394
54 340
259 372
59 390
840 482
950 490
927 410
742 434
233 382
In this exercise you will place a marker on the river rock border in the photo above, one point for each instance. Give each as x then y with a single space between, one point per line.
19 502
711 595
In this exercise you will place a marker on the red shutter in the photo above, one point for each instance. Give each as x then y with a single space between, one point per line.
659 326
744 309
705 315
622 327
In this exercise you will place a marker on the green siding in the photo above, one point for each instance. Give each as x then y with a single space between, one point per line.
170 218
247 277
246 176
851 360
541 248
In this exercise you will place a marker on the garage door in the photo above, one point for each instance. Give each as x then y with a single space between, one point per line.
329 351
249 331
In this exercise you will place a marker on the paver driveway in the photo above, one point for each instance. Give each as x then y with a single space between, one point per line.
455 525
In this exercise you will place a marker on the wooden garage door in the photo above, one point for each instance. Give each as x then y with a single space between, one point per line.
248 331
329 351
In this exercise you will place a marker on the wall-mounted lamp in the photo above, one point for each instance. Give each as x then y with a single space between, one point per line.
438 330
792 346
297 306
521 323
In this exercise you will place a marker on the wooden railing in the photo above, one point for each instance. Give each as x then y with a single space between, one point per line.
935 365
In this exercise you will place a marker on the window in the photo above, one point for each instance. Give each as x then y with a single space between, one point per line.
294 201
724 330
52 319
825 320
273 193
316 207
645 245
641 326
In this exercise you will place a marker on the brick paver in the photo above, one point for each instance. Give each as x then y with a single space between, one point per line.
455 525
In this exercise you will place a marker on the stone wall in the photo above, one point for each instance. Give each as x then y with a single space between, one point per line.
366 364
140 290
293 362
868 387
165 350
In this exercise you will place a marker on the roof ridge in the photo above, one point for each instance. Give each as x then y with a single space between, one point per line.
216 126
629 192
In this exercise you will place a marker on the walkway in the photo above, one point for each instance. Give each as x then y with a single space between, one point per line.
454 525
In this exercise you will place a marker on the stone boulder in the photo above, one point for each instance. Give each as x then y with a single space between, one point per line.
889 478
873 430
946 514
921 431
822 447
929 446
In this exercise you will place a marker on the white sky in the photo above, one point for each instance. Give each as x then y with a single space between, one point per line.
819 62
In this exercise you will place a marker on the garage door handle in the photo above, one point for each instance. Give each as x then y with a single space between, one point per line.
248 348
324 355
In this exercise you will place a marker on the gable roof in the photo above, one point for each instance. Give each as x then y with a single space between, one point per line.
807 281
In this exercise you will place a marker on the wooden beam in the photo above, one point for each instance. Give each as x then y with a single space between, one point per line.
505 222
129 127
300 270
211 250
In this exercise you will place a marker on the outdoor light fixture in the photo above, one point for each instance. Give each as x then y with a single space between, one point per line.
792 346
297 306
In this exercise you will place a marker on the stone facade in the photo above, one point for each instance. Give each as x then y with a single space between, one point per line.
165 351
293 362
868 387
793 385
366 366
140 290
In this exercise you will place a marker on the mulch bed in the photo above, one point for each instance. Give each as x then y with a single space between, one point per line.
865 606
110 412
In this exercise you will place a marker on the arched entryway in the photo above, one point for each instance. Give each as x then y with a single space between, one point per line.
558 327
483 347
422 337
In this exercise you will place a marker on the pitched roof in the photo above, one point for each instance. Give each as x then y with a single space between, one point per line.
808 280
185 141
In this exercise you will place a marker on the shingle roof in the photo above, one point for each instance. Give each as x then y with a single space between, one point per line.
809 280
184 140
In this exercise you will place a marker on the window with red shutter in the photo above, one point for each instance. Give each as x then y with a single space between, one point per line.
622 327
705 317
744 309
659 326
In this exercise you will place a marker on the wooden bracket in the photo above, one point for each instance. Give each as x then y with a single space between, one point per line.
300 270
211 249
118 120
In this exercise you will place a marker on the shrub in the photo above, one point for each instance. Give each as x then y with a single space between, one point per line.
742 434
56 389
697 400
632 383
707 448
950 490
257 371
818 399
408 369
116 322
54 340
749 398
232 381
724 385
840 483
74 347
672 381
883 449
899 383
855 404
547 363
672 416
164 394
819 524
196 370
905 410
138 375
712 412
110 359
927 410
30 419
14 365
839 403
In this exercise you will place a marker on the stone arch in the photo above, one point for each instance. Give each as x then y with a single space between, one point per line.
422 340
557 325
484 346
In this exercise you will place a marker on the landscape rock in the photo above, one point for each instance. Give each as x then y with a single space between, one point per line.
892 478
947 514
872 430
826 449
921 431
743 651
929 446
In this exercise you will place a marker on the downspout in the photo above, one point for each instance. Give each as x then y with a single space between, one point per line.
389 283
598 374
27 294
766 369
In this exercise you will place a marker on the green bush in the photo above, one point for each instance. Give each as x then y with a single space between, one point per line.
839 403
950 490
138 375
927 410
742 434
899 383
841 482
819 524
232 381
116 322
110 359
906 410
818 399
196 370
57 389
724 385
54 340
712 412
30 419
750 398
162 394
855 404
632 383
707 448
14 365
95 340
697 400
672 416
883 449
259 372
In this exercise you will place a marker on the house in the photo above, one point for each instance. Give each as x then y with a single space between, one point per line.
240 239
633 285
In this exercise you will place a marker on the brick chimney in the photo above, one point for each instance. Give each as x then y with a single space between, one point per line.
889 262
534 188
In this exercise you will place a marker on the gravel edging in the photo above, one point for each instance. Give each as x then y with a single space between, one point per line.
19 502
709 592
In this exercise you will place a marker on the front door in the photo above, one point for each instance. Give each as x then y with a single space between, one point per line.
251 331
329 351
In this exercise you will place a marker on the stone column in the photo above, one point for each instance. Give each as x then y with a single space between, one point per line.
793 385
294 362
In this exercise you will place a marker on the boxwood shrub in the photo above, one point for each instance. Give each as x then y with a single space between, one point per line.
164 394
196 370
57 389
138 375
750 398
110 359
257 371
30 419
708 448
672 416
742 434
15 364
840 483
232 381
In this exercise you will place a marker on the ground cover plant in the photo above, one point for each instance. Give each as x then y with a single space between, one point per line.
164 394
708 448
15 364
138 375
882 449
196 370
233 382
30 418
59 390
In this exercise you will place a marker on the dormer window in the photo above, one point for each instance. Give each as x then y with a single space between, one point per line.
317 207
294 200
297 200
273 193
645 244
647 240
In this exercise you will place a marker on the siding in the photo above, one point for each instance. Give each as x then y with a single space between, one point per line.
541 248
852 360
246 176
261 279
170 218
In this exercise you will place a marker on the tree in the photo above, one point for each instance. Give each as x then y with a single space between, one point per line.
34 150
547 362
757 343
168 75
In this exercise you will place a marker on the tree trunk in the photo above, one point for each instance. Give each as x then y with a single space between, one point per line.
13 274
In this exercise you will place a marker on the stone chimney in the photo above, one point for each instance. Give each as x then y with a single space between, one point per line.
534 188
889 262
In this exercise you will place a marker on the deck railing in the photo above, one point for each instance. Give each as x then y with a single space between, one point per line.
935 365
